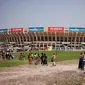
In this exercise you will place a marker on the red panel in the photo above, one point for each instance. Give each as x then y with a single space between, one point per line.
16 29
55 29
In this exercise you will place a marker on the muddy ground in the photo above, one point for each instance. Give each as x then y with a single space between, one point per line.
64 73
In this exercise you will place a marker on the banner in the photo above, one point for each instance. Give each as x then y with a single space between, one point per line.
16 30
76 29
55 29
3 30
36 29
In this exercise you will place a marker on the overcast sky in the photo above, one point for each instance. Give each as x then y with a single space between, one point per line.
25 13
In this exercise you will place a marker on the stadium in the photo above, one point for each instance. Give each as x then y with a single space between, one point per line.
42 42
41 38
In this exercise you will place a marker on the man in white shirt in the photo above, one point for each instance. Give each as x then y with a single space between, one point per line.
53 59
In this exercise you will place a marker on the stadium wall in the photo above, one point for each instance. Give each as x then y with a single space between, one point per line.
43 37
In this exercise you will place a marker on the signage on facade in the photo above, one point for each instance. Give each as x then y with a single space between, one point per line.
3 30
16 30
76 29
66 30
55 29
36 29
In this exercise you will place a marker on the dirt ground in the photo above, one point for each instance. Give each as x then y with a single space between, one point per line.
64 73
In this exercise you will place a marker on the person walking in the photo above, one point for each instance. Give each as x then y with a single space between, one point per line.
84 60
37 60
53 59
41 58
81 63
34 58
45 59
3 54
32 54
30 58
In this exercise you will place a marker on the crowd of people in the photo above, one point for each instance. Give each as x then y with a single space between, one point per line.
43 59
37 59
6 54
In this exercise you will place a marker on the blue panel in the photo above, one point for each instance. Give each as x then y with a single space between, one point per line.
3 30
76 29
36 29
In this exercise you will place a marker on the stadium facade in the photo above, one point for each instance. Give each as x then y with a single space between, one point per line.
44 37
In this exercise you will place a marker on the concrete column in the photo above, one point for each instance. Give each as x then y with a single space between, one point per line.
19 40
67 37
43 38
51 44
40 38
25 37
36 38
79 41
55 46
7 40
51 37
63 38
48 37
55 40
43 45
47 45
10 39
29 39
39 45
71 42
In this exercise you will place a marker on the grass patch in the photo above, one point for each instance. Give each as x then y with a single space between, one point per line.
9 63
60 56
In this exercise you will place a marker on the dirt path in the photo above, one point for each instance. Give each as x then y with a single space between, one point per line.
26 74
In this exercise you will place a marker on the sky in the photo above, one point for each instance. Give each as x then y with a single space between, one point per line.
26 13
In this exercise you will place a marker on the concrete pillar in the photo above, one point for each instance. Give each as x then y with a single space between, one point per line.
25 37
48 37
47 45
71 42
20 40
55 40
43 45
55 46
39 45
6 40
51 44
40 37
